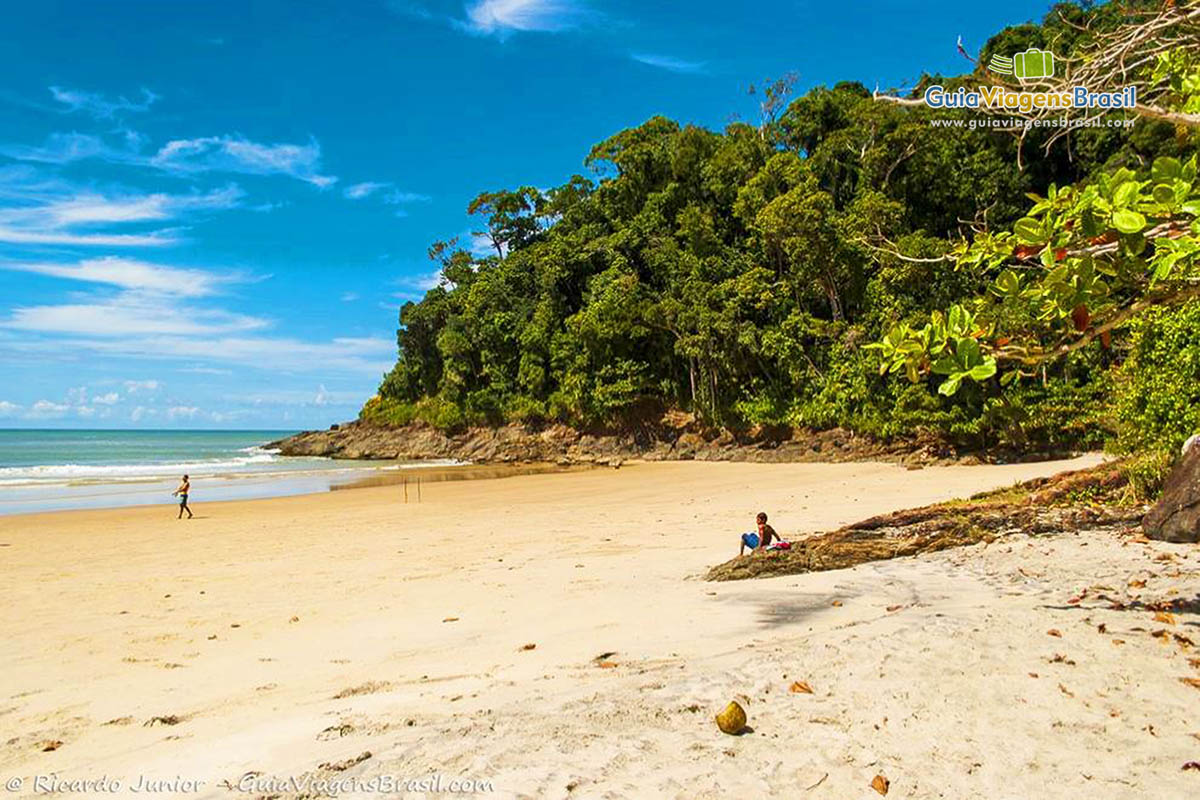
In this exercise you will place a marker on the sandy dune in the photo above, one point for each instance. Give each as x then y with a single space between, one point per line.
275 636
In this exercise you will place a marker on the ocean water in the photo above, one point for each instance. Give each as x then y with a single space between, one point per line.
42 470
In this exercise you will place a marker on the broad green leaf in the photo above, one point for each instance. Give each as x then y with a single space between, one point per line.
982 372
1164 194
1127 221
950 385
967 352
946 365
1166 169
1126 194
1008 283
1029 231
1047 257
1123 175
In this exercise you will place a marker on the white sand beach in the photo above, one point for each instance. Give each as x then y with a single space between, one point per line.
286 638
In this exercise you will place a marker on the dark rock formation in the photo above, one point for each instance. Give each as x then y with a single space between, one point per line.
672 439
1176 517
1041 506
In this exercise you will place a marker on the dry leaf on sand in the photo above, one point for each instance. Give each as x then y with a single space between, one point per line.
880 784
800 687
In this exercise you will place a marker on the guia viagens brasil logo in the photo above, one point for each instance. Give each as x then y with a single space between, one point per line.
1031 64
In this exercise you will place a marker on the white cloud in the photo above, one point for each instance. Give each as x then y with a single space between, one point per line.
129 314
228 153
45 408
141 412
479 244
414 287
97 105
360 190
17 236
349 297
182 412
398 197
502 17
366 355
669 63
236 154
41 210
133 387
205 371
86 209
63 148
134 275
408 8
109 399
298 398
8 409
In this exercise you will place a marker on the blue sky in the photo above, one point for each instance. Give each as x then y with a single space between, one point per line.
210 212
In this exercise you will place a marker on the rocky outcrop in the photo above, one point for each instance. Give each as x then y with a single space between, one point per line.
1041 506
1176 517
675 438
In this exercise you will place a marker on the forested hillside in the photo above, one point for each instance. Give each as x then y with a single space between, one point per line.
741 274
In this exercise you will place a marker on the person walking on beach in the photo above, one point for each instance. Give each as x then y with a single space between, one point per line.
761 540
184 487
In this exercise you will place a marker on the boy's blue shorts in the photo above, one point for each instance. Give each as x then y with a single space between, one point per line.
750 540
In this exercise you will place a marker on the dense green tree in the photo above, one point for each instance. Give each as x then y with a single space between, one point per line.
742 274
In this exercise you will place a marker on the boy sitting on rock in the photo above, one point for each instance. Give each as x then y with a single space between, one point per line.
761 540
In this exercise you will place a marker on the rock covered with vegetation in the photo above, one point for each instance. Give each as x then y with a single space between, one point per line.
674 437
1106 497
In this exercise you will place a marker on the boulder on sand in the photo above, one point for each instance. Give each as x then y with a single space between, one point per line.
1176 517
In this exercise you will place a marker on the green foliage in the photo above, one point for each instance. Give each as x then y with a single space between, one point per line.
786 274
434 411
1158 388
1147 473
1088 254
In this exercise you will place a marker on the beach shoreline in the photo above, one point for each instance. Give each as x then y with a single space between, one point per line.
275 636
57 498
